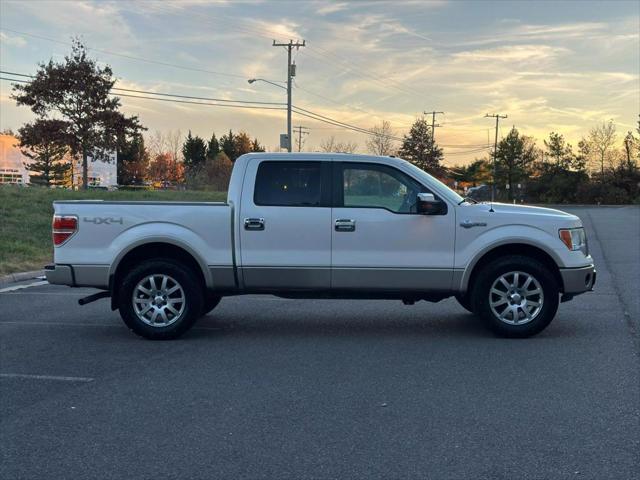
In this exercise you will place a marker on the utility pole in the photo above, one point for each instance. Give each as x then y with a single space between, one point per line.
301 131
291 72
433 125
497 116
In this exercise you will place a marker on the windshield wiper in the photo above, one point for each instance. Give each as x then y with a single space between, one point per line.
468 199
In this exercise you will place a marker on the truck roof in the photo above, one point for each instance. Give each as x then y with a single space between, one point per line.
327 157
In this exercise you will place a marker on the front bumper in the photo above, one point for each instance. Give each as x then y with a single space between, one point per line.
578 280
59 274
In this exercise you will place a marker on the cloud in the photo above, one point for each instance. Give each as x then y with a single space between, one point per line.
13 40
512 53
331 8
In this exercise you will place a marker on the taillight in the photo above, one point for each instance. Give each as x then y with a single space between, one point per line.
63 227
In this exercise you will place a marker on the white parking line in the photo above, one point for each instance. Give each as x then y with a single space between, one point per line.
20 287
46 377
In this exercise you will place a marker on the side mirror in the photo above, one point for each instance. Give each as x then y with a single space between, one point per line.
428 205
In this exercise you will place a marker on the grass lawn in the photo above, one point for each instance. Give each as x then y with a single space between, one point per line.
25 219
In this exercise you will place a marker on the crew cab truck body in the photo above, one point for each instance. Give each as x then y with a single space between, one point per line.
320 226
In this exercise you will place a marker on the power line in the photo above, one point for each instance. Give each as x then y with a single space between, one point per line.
173 100
147 92
469 148
130 57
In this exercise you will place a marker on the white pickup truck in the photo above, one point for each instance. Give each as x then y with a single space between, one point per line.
313 225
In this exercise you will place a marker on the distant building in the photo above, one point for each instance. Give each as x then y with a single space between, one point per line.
14 167
100 173
12 162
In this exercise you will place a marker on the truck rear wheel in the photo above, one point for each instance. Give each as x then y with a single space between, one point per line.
516 296
160 299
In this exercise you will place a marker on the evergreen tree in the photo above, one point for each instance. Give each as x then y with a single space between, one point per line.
560 152
76 92
243 144
514 159
43 142
419 148
133 161
256 147
213 147
194 153
228 146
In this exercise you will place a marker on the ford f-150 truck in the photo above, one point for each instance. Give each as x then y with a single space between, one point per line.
310 225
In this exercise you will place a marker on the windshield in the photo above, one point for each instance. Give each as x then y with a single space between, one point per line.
428 179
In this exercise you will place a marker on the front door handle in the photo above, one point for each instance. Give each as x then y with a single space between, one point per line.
254 223
345 225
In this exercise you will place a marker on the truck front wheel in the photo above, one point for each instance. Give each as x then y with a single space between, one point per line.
516 296
160 299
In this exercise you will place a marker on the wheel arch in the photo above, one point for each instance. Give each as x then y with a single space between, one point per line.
510 248
150 249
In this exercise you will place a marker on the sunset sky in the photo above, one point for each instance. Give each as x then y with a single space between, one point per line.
549 66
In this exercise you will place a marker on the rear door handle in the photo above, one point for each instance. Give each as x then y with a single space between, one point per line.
345 225
254 223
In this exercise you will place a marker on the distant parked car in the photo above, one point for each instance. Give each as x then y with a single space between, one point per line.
480 193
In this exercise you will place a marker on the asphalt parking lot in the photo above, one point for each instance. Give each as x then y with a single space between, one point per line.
272 388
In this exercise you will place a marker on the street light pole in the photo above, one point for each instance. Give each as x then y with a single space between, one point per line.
290 74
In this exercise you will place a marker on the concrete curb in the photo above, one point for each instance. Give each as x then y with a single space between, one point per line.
20 277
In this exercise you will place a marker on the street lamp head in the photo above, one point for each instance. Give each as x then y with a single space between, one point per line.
251 80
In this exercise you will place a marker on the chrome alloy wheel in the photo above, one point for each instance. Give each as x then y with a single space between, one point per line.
158 300
516 298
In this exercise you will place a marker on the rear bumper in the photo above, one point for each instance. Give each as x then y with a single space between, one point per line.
578 280
59 274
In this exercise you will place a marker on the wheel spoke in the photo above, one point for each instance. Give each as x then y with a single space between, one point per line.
163 285
537 291
163 314
146 291
175 288
505 283
516 279
502 301
527 283
172 310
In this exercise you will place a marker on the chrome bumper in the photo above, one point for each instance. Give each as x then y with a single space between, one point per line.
59 274
578 280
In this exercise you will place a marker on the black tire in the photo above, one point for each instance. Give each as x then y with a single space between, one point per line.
465 302
191 293
211 301
506 267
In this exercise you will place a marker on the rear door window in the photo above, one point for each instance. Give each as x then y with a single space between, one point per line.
289 184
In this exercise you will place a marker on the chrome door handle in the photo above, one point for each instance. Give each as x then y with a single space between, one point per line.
470 224
345 225
254 223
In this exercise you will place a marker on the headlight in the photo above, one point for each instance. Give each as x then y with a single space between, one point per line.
574 239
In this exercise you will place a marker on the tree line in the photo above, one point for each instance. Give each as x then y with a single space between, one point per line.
169 160
601 169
